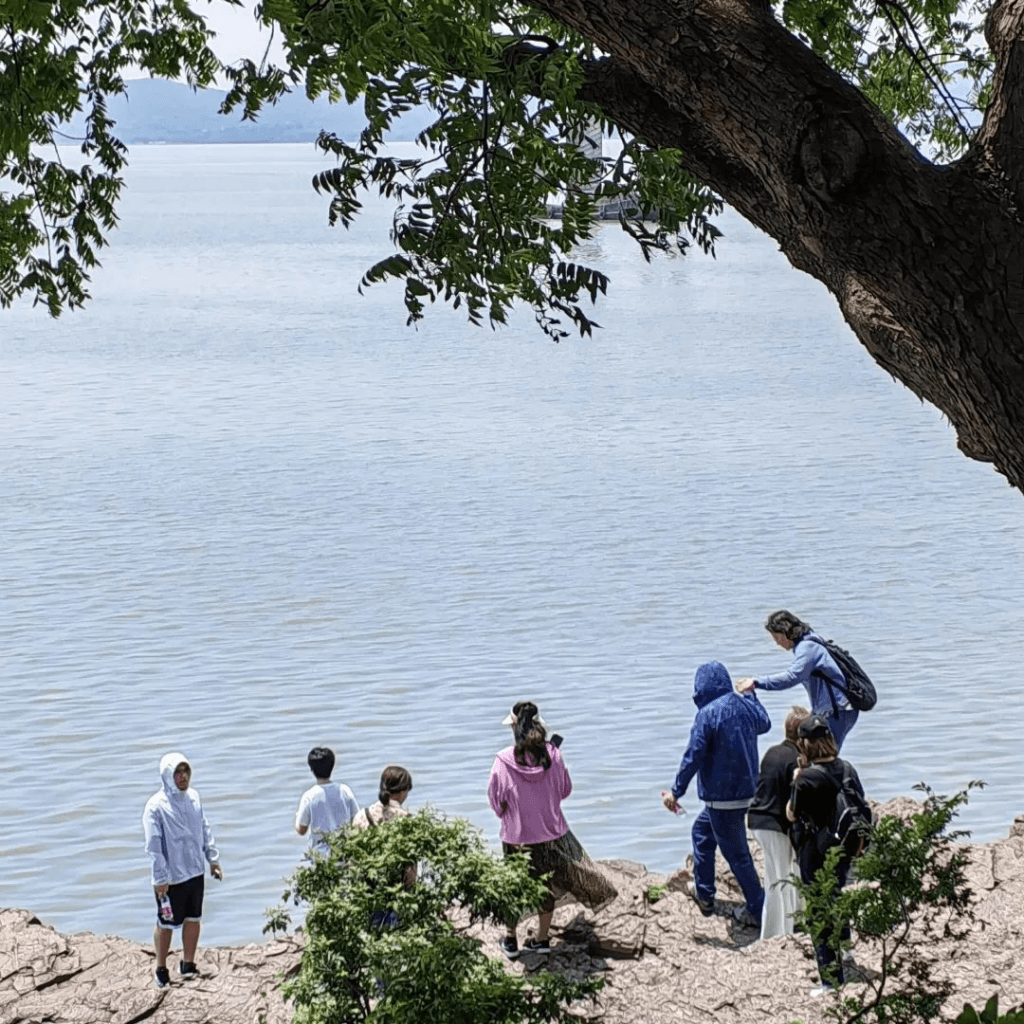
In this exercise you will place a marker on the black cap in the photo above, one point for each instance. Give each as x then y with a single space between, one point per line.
813 727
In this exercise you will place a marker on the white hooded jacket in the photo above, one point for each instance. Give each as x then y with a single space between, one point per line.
178 838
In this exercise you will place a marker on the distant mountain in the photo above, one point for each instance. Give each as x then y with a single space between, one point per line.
155 110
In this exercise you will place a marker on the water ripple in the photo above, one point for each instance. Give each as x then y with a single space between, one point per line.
240 522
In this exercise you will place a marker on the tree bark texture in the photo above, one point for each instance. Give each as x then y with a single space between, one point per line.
926 261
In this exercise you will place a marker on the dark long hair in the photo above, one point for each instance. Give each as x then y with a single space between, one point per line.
394 779
787 625
530 736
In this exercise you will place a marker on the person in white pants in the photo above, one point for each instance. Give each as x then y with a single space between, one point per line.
767 820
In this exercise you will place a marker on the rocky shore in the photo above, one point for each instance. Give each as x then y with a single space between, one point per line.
663 962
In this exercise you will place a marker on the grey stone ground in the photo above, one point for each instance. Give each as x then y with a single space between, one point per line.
663 962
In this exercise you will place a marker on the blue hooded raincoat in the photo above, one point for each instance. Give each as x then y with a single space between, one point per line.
722 752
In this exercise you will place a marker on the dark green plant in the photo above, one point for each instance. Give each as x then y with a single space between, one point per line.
278 918
912 891
412 965
991 1014
505 85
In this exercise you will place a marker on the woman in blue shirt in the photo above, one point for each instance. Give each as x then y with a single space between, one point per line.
812 667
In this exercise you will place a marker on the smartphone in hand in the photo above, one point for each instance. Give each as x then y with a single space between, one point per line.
556 740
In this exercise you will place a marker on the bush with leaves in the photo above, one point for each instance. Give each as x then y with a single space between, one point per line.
912 892
416 966
991 1014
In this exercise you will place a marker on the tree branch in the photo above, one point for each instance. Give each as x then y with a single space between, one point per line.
906 246
801 160
1001 139
918 53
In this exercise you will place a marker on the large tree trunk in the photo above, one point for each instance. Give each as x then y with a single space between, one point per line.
927 262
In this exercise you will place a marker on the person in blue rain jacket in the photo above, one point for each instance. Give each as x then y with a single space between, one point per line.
722 754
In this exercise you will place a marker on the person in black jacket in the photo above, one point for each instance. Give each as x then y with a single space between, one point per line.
767 820
817 780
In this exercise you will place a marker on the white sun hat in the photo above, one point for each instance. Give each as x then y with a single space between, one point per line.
510 719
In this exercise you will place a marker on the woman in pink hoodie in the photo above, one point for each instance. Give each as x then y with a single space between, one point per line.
528 783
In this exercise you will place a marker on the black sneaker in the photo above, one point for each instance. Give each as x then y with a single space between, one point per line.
542 946
509 946
187 969
706 907
163 977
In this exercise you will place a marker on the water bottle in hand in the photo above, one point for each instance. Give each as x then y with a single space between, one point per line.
166 910
679 807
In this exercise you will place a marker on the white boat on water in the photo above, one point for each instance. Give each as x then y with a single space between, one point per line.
592 145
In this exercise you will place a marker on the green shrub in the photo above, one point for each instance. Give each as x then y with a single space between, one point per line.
913 891
419 969
655 892
991 1014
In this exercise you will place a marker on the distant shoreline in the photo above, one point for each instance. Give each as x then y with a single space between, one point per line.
237 142
157 112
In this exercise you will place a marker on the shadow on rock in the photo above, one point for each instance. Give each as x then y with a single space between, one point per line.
663 962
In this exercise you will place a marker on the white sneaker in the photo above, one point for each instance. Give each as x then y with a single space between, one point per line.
821 990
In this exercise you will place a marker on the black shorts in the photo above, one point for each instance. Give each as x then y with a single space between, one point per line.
186 902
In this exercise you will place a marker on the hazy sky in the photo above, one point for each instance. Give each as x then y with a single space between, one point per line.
238 33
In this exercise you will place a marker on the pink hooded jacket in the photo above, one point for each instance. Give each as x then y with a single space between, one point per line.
527 798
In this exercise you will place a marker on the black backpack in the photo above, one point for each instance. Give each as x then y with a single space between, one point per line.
859 690
852 820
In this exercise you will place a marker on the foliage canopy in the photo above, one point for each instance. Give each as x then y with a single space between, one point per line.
510 88
57 58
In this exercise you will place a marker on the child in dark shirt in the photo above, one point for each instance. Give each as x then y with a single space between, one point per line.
813 804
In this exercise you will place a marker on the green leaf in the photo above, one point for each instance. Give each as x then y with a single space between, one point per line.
417 966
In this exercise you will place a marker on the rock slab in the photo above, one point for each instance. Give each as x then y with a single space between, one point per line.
89 979
663 962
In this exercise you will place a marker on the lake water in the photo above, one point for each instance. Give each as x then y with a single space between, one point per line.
246 511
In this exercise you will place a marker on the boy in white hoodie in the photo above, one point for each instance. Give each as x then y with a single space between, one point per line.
179 842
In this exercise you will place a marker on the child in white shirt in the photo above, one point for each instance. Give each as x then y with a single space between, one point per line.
325 806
